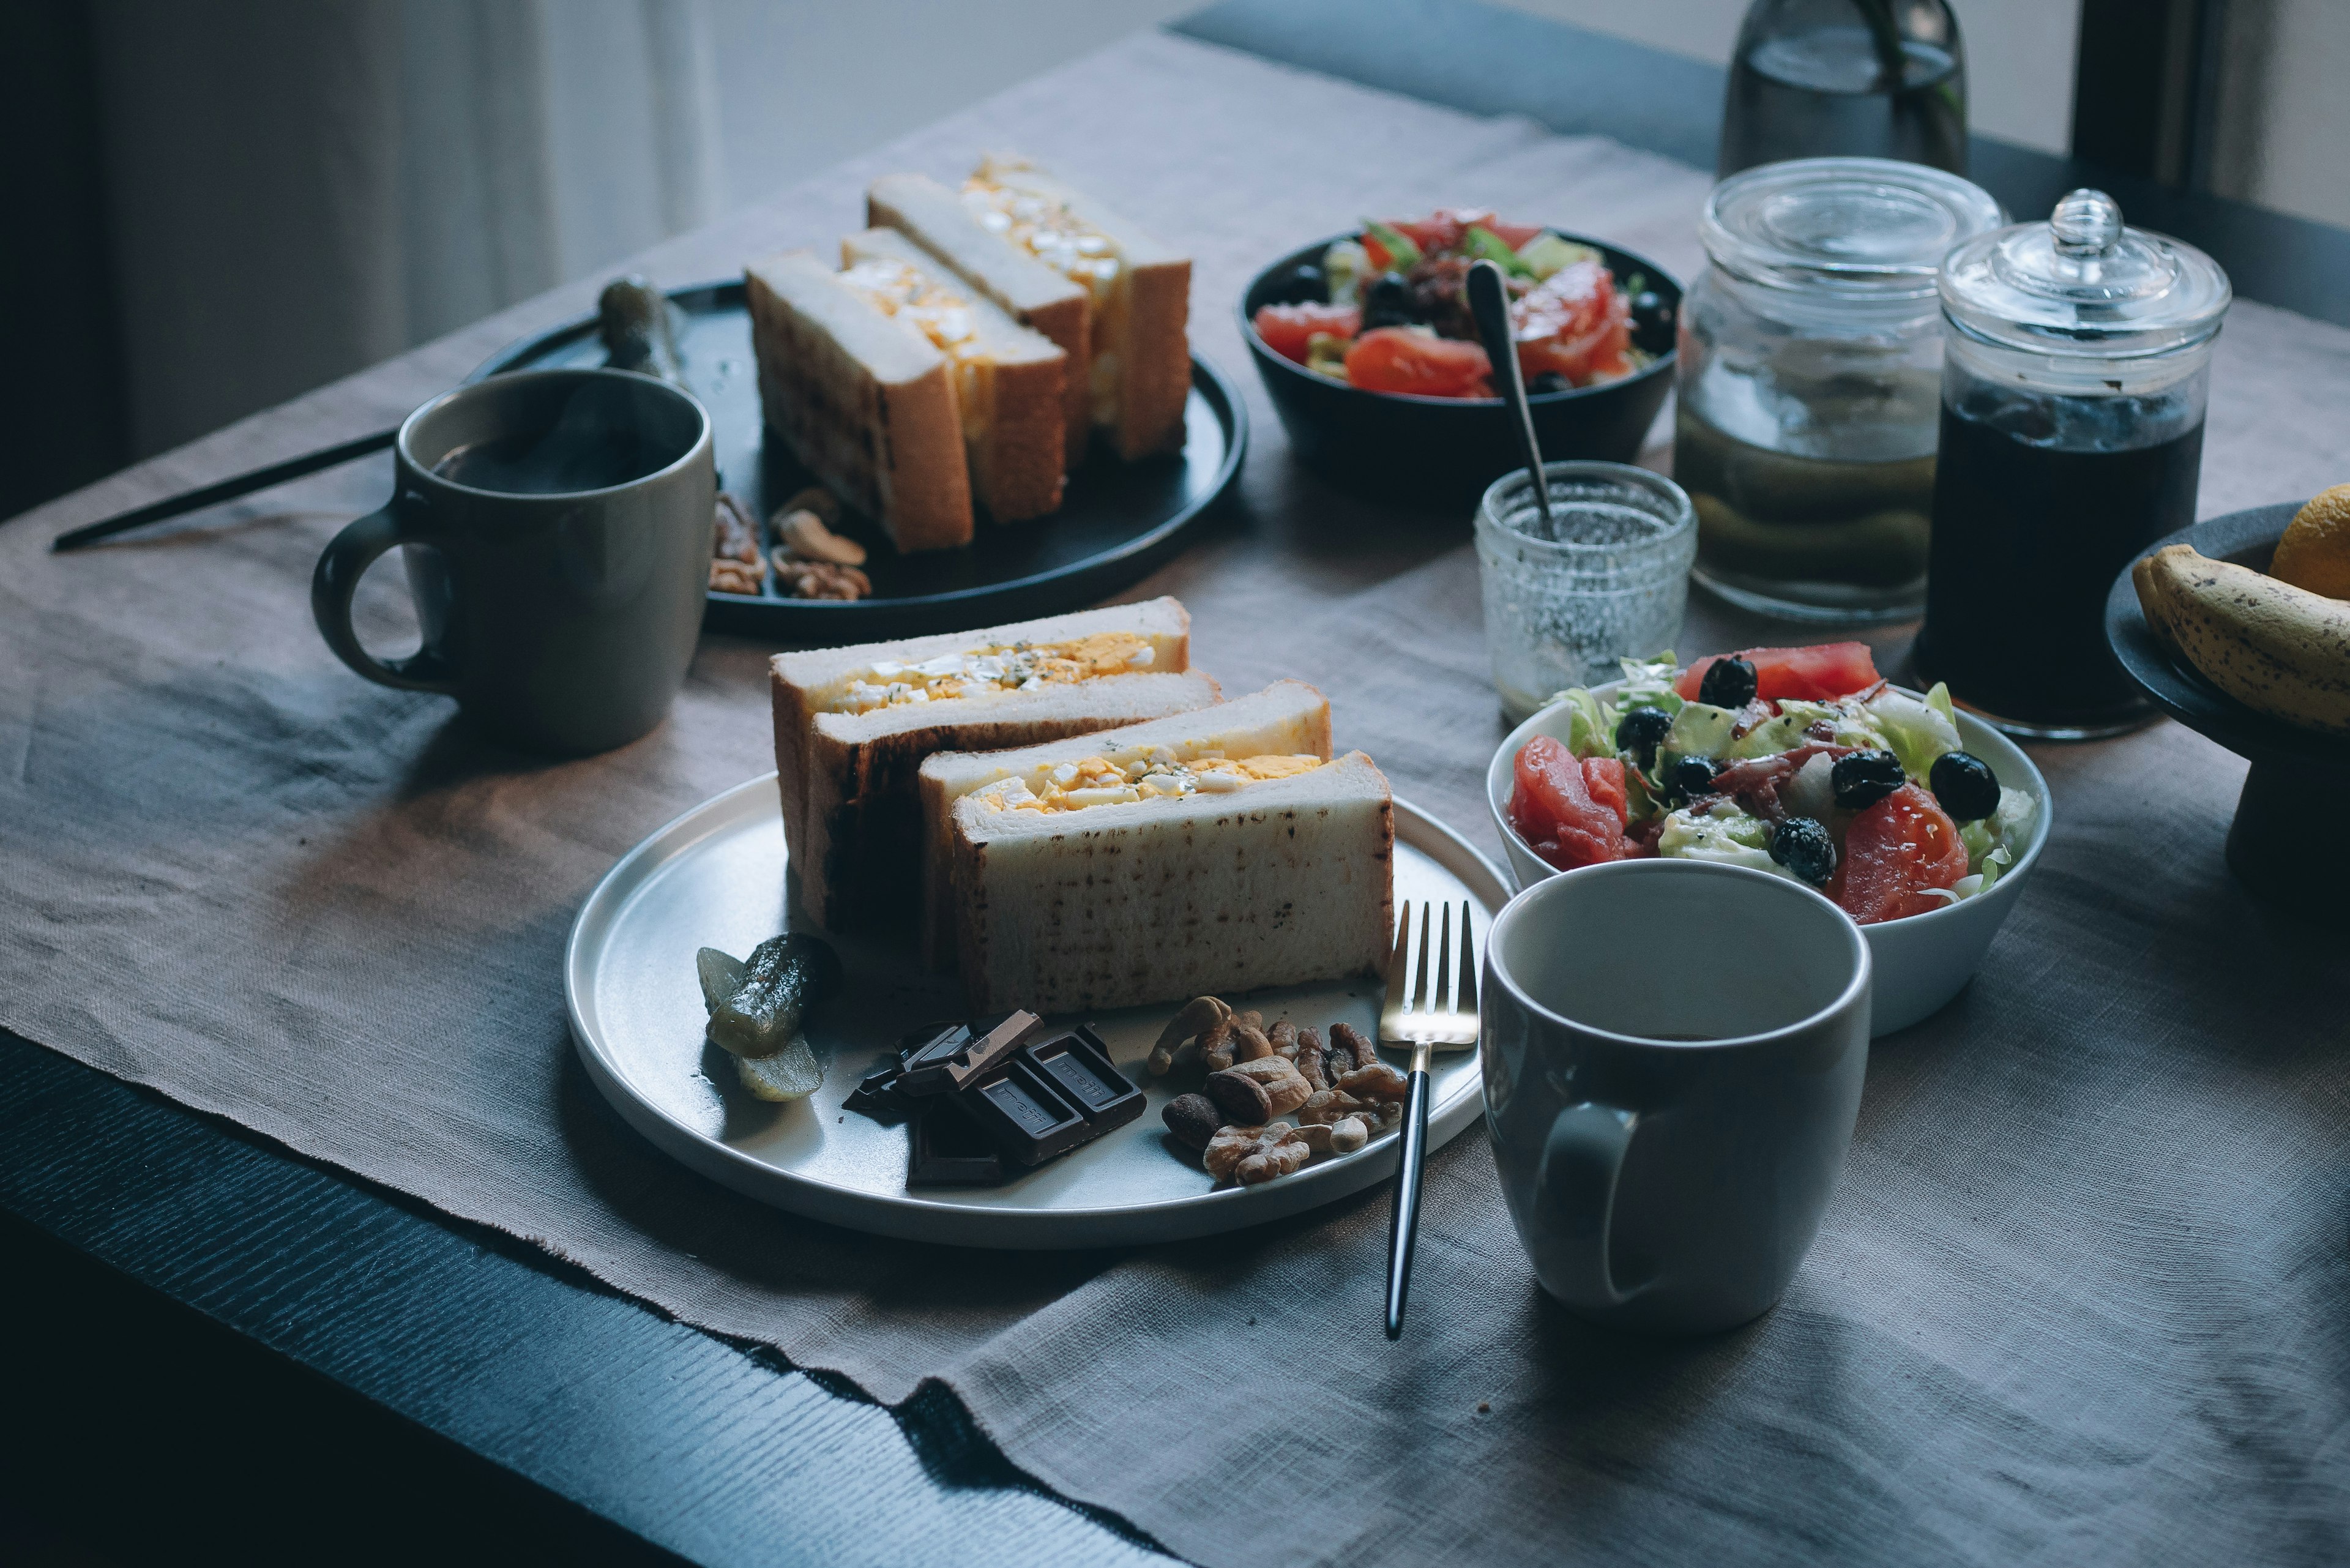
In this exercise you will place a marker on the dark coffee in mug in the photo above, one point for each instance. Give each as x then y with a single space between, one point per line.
593 443
558 527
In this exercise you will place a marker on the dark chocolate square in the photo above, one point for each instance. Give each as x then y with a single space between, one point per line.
946 1147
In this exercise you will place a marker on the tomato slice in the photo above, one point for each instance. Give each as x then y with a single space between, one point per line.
1287 328
1514 235
1406 359
1576 323
1892 852
1821 673
1572 812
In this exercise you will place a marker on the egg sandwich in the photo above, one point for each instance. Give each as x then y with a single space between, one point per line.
1113 298
853 725
1210 853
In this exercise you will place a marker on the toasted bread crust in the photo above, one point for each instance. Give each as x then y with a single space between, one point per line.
1158 362
1284 882
886 436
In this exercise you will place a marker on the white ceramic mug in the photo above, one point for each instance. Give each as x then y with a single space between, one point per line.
1673 1055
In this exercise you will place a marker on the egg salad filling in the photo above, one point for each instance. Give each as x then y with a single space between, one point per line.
901 289
989 671
1149 773
1046 228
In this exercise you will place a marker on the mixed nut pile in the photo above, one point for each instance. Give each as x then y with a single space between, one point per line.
811 563
1339 1092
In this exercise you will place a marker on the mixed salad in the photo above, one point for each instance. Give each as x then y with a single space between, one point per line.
1800 762
1388 310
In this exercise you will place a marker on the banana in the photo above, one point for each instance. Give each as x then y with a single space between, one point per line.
2279 650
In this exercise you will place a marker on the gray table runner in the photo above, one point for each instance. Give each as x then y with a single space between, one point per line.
2082 1293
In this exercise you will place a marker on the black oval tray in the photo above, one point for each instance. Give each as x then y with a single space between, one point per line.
1118 521
2270 846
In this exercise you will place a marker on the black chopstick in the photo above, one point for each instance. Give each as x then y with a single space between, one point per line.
225 490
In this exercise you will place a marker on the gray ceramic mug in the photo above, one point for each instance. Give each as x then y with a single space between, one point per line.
558 525
1673 1054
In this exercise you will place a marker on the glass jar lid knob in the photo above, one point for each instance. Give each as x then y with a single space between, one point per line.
2086 223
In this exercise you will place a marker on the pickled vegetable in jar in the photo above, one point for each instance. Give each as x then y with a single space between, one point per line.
1809 376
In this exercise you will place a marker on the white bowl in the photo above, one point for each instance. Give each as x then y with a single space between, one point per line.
1922 961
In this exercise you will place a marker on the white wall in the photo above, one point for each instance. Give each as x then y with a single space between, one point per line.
2019 52
2284 137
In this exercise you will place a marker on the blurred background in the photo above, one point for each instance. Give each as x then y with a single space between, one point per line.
417 164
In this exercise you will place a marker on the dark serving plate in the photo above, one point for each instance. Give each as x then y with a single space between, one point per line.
2272 847
1446 450
1118 521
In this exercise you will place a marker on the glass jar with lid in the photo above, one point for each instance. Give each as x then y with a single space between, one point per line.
1810 371
2079 354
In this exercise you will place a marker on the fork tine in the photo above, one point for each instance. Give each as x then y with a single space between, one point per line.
1420 1001
1441 998
1465 989
1399 961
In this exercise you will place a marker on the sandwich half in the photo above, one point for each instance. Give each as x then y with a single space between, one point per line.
1215 853
866 400
853 725
1010 277
1008 381
1138 291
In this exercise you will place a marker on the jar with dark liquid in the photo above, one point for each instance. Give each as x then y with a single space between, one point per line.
1809 375
1865 78
2078 360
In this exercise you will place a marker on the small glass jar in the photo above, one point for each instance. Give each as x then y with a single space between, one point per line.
1810 368
2072 437
1609 581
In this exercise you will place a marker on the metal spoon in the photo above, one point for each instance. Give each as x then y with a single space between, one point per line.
1489 302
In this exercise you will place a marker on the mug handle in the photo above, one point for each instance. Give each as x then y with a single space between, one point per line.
346 561
1582 1164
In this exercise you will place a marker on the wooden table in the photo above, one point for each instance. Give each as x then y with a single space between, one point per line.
221 1343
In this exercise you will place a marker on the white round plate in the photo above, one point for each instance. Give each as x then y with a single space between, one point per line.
714 877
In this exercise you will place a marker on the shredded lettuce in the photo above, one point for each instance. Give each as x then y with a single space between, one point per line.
1701 730
1917 731
1591 728
1649 683
1547 253
1724 834
1346 264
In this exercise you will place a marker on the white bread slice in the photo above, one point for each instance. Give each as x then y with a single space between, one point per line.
866 401
1007 379
851 814
1033 293
1278 882
1288 718
1141 364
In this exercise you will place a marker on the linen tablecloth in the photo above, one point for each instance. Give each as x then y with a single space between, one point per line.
2080 1295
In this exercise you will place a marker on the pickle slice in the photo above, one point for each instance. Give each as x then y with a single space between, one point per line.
791 1073
783 978
721 974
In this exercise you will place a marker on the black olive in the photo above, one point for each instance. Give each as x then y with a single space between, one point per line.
1864 778
1728 683
1687 779
1305 284
1390 302
1803 845
1637 733
1965 785
1550 381
1652 322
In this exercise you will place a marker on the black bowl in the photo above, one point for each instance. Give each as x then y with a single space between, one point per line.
2272 847
1446 450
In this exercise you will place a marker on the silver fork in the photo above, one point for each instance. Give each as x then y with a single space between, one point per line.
1438 1017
